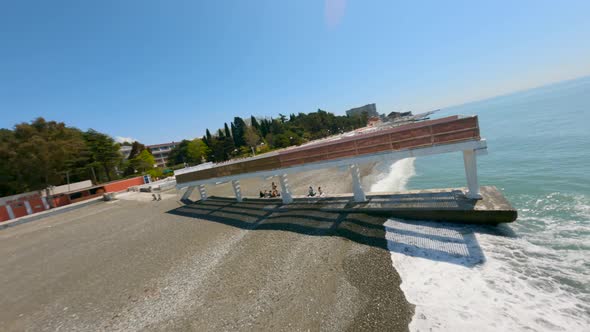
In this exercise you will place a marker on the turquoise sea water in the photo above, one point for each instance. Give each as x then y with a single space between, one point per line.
538 143
539 156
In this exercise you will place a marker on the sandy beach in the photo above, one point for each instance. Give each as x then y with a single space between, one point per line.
134 264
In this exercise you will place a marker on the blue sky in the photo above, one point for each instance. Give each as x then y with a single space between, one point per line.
159 71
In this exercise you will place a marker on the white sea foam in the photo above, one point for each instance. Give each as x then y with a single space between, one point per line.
464 278
397 177
484 280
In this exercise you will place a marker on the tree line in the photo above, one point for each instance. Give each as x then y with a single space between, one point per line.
39 154
36 155
243 138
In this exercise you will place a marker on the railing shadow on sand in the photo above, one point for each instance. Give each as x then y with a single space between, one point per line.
445 242
440 241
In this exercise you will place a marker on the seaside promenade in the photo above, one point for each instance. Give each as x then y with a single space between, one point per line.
134 264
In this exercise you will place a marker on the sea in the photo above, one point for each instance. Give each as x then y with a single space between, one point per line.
530 275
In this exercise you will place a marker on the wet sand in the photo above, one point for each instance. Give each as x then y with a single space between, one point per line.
214 266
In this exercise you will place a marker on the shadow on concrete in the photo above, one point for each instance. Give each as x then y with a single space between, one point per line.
445 242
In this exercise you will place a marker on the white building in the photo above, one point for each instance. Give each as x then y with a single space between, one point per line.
125 150
161 152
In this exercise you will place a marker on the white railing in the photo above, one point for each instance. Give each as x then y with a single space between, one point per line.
193 168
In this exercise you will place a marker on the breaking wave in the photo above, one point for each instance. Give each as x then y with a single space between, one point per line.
397 178
532 275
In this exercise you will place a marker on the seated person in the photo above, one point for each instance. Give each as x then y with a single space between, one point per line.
310 193
261 194
320 192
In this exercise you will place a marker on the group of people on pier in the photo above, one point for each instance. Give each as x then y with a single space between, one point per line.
311 193
270 193
275 193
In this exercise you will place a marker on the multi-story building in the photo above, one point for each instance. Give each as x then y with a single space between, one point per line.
161 152
371 110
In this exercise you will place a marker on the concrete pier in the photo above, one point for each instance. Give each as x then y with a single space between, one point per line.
473 204
448 204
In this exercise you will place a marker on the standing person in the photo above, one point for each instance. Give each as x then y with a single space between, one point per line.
320 192
274 186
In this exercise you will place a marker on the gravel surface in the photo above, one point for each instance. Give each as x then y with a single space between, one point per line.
134 264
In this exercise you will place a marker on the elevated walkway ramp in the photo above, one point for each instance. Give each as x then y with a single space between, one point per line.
449 134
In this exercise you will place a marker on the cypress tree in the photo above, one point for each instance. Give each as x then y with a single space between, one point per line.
233 133
254 122
239 131
227 132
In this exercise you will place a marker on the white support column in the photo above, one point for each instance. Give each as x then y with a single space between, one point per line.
45 203
237 189
357 189
10 212
187 193
28 207
470 163
203 192
285 190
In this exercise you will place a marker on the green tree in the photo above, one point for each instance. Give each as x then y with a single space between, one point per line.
197 151
191 152
233 133
136 149
251 137
103 151
254 123
227 131
44 153
282 118
8 176
143 162
239 132
217 149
